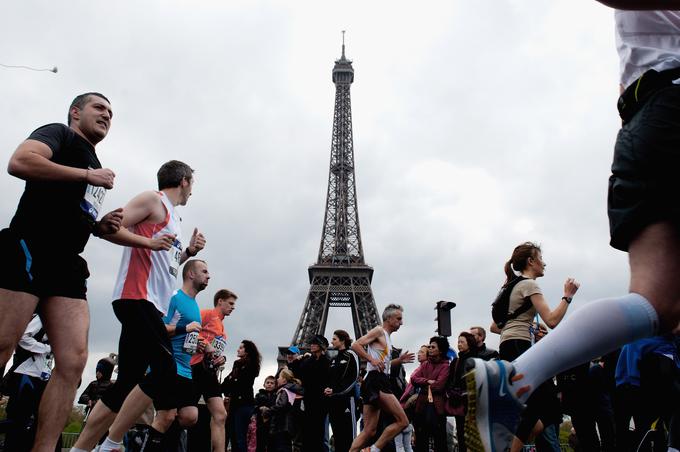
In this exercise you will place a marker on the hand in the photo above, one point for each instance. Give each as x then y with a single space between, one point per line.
219 360
209 348
571 287
407 357
162 243
200 347
110 223
196 243
194 326
379 364
327 391
102 177
431 382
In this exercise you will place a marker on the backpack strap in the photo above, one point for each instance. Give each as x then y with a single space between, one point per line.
521 310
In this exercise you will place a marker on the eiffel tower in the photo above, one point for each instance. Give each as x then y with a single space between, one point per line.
340 277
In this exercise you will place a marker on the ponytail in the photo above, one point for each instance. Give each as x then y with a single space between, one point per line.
519 260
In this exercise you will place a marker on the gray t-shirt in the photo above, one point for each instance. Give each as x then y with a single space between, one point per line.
518 328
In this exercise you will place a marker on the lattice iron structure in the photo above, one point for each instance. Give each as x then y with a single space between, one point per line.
340 277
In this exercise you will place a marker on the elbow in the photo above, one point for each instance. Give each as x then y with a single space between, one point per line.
14 168
552 323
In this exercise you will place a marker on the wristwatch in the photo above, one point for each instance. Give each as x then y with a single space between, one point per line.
567 299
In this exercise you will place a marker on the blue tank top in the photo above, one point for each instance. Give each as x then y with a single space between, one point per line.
182 311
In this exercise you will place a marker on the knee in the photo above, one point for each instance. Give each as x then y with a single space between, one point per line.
163 419
187 419
71 364
219 416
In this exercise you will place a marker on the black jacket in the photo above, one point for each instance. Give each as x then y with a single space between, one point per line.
487 354
343 373
314 374
238 385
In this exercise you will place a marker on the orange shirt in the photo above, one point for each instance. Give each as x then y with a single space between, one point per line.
211 323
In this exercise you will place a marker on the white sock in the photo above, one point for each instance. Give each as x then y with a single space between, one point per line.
374 449
73 449
109 445
592 331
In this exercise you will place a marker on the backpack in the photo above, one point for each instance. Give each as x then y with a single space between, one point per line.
500 308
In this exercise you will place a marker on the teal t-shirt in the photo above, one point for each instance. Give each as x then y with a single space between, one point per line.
182 311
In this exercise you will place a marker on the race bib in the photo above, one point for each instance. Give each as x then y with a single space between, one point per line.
191 342
219 344
93 200
175 258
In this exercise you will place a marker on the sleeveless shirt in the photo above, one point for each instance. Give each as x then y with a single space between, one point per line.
376 351
151 275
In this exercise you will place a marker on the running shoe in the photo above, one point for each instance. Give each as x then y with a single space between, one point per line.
493 408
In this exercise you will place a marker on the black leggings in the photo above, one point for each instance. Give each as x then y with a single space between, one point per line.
144 343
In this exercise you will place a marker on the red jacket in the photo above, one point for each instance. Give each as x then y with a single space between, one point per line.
438 372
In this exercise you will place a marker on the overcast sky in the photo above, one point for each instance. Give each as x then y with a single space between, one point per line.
477 126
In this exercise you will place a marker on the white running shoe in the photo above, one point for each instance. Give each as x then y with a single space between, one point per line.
493 408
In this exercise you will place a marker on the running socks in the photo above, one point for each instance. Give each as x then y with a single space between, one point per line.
73 449
110 446
592 331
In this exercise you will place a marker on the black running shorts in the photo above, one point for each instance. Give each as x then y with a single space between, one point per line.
41 270
187 394
374 383
206 382
643 187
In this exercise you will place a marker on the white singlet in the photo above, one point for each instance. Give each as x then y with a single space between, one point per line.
647 40
151 275
383 354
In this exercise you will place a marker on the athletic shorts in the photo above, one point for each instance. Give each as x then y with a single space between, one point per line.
144 345
187 395
643 187
26 267
374 383
206 382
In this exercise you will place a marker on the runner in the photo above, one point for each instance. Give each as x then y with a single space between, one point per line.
375 390
183 322
644 217
41 266
204 365
142 293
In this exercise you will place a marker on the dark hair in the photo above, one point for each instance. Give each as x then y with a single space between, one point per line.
471 341
189 266
520 259
253 356
270 377
344 337
223 294
170 175
442 344
80 101
482 331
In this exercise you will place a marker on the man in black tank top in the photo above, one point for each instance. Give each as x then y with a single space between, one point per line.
41 267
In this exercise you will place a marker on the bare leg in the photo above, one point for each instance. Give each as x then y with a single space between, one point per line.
654 266
135 404
218 416
16 308
98 422
390 404
187 416
371 416
66 321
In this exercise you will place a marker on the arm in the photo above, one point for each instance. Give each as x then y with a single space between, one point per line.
642 4
31 161
28 342
143 207
85 396
494 328
440 380
553 318
417 377
404 358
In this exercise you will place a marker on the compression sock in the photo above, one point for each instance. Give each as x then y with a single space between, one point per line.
592 331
